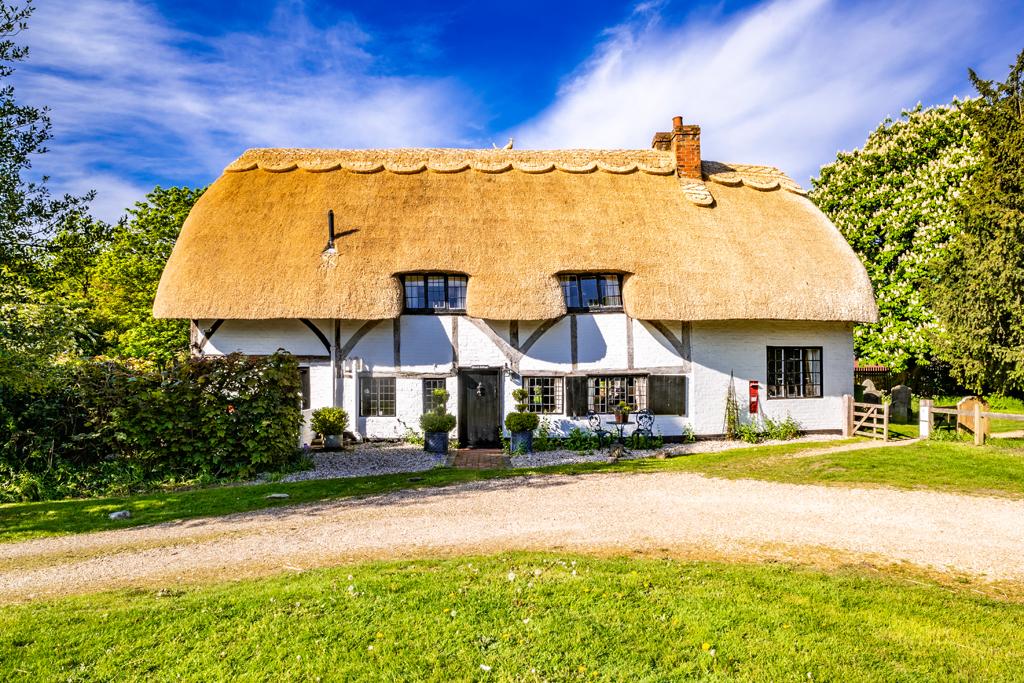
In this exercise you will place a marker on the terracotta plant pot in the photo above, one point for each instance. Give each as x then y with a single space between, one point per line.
622 418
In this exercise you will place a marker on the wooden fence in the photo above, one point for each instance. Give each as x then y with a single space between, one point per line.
867 419
978 426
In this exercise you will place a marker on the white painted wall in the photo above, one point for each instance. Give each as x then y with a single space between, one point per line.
319 392
426 343
719 348
426 348
263 337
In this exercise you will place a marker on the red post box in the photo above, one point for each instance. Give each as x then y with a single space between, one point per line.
753 396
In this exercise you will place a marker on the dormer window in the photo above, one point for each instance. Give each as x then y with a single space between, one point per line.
434 293
592 291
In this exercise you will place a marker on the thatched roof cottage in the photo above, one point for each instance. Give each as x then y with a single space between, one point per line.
587 276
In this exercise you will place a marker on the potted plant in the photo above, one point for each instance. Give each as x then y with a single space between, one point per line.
622 411
437 424
521 424
330 423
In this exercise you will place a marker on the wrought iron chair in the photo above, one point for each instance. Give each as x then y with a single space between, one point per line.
594 420
644 424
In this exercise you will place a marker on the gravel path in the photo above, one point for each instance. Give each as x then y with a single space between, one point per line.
368 459
562 457
666 512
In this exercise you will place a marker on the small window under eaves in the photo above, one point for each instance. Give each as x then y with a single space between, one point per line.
592 291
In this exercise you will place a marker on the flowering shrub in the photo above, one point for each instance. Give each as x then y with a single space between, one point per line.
894 201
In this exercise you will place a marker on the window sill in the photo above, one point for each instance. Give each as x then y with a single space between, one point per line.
430 311
609 309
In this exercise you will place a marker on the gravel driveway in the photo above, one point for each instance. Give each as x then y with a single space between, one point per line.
674 513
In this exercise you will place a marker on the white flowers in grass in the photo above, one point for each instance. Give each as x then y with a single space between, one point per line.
511 576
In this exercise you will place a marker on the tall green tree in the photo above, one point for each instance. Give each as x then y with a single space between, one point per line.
124 282
35 323
980 294
895 201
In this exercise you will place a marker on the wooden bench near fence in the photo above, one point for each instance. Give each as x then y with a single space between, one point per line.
978 426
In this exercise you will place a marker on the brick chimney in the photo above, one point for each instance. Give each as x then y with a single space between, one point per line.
686 145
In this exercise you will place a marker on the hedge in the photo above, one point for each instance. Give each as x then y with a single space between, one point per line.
102 426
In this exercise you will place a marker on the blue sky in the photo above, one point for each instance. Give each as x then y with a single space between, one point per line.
146 93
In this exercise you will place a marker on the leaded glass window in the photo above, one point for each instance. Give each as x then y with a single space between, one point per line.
794 372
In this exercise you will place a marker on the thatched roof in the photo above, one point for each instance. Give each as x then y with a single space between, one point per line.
743 243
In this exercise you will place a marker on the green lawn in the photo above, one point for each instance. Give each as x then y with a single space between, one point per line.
526 617
997 468
994 469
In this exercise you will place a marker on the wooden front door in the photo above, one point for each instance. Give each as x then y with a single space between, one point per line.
479 409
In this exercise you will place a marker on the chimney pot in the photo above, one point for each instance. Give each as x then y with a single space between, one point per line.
686 145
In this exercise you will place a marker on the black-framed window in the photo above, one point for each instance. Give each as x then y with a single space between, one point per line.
592 291
605 392
545 394
431 402
377 397
434 292
304 386
794 372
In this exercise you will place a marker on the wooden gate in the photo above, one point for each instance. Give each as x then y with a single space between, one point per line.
869 419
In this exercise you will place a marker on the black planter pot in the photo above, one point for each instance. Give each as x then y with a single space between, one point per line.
521 442
435 442
333 440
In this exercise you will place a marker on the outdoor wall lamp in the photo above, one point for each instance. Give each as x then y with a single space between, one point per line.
329 249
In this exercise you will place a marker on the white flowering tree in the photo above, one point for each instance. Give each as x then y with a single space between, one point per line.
895 202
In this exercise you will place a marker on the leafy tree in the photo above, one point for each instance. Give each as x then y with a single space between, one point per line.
127 273
28 212
980 296
34 323
895 201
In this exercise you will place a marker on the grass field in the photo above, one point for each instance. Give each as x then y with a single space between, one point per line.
994 469
525 617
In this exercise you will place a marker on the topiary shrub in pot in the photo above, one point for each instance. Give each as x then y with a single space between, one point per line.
437 424
330 423
521 424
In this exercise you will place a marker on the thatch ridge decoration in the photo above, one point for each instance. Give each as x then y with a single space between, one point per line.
691 251
697 192
367 167
492 168
326 167
448 168
534 168
762 178
588 167
405 170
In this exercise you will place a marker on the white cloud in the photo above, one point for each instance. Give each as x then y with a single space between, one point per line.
783 84
136 101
